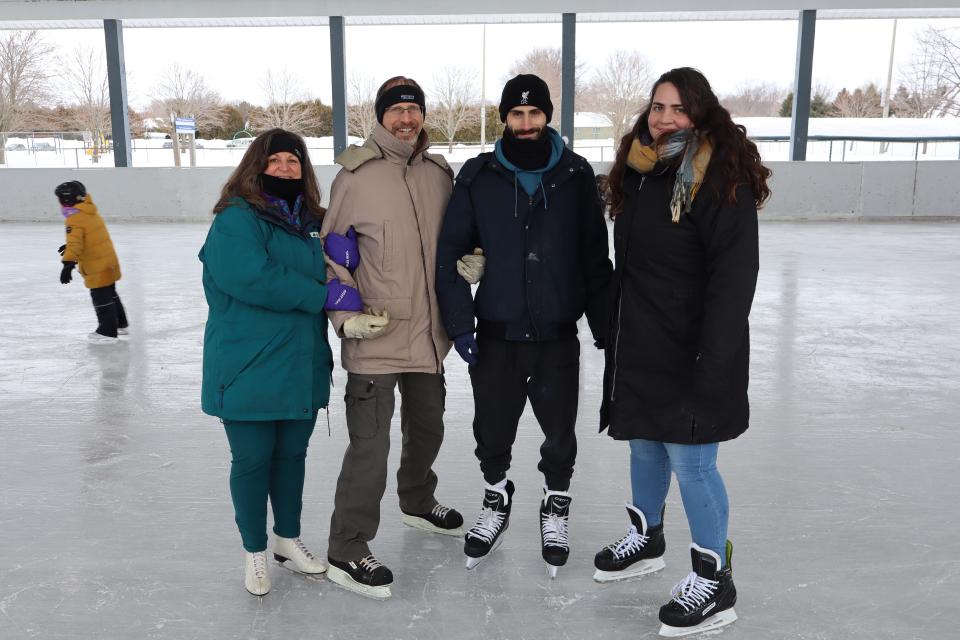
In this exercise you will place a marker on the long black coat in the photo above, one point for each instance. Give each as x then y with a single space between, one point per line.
678 345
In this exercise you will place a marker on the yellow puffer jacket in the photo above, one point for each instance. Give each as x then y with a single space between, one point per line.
89 245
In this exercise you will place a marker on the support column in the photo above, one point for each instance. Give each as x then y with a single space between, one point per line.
117 79
338 80
803 78
568 77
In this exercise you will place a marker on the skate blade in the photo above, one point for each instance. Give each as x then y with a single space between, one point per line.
641 568
342 579
426 525
552 571
473 562
721 619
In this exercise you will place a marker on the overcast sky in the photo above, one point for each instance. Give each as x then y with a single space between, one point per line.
234 60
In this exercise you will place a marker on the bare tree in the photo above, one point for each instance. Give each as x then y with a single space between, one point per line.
930 81
361 108
547 63
286 105
863 102
454 105
185 93
757 99
24 78
620 89
85 78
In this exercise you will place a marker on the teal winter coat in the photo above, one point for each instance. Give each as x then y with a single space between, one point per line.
265 354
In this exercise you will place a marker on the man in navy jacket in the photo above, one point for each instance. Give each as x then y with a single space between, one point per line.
532 207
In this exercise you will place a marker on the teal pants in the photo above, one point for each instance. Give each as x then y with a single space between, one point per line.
268 459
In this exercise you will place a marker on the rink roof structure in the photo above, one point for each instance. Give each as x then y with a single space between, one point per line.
113 15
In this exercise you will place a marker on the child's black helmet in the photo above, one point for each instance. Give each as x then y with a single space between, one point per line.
70 193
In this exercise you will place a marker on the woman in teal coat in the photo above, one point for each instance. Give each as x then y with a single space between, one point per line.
266 358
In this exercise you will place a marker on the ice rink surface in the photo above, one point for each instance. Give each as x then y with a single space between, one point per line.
117 522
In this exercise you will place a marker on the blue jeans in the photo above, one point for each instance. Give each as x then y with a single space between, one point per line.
701 487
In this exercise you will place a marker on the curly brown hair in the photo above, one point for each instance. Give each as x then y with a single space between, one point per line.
736 160
244 182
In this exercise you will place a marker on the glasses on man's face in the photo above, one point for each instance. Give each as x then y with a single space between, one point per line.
398 111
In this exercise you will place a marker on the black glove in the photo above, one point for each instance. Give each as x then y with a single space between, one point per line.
66 275
62 248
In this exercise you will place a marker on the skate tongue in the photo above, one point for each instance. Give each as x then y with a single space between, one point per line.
705 562
493 499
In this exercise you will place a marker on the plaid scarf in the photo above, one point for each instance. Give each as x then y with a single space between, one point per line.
694 152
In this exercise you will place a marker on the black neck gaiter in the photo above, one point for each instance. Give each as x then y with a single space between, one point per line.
284 188
528 155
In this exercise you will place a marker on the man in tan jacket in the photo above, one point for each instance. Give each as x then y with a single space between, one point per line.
390 196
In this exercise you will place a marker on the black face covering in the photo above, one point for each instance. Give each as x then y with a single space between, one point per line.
529 155
287 189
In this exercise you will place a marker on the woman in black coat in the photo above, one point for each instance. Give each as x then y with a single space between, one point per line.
683 193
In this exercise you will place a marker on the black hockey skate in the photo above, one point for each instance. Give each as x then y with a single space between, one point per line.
487 534
440 519
554 528
704 600
365 576
638 553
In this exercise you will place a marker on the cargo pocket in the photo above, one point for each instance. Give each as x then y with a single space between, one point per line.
361 401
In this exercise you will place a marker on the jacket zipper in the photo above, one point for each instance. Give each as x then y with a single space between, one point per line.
616 342
426 276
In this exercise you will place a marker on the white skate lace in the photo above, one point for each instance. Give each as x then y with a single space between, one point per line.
631 543
554 530
440 511
693 591
260 564
488 525
303 549
370 563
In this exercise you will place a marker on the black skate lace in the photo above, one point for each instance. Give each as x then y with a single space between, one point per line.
440 511
260 564
693 591
303 549
370 563
631 543
488 525
554 530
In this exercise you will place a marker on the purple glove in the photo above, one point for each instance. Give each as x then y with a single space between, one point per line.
466 346
343 249
342 297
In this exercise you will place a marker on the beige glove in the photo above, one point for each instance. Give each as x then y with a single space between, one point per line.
470 267
366 325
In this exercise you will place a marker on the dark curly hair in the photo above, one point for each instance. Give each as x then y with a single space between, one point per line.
244 182
736 160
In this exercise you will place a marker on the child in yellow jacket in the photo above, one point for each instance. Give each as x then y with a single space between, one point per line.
90 249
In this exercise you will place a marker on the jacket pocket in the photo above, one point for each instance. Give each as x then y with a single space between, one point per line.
393 343
387 246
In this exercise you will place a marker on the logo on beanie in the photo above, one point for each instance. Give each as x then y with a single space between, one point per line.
525 97
407 97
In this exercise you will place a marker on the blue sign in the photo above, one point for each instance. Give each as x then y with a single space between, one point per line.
185 125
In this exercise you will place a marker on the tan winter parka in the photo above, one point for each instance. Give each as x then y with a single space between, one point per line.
395 201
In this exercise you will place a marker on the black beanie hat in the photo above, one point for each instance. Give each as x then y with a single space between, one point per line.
525 89
398 94
289 142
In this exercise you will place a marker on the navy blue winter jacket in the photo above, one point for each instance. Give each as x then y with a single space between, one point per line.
546 265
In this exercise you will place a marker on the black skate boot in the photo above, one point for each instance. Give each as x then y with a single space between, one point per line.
365 576
487 534
554 527
440 519
638 553
704 599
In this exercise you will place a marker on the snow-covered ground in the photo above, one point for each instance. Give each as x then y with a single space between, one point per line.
218 153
